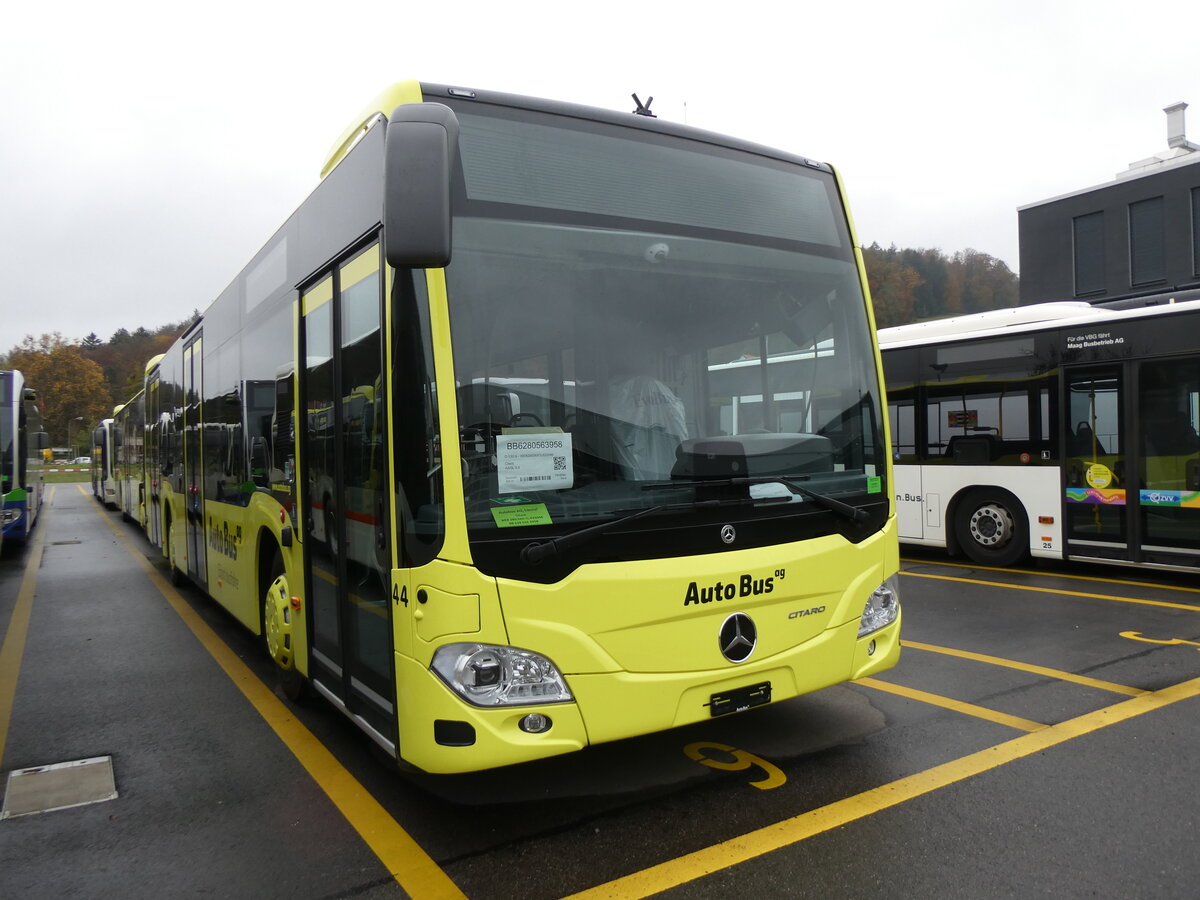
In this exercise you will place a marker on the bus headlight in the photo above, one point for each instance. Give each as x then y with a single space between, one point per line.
882 607
496 675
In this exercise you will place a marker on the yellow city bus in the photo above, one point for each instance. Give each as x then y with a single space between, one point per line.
128 470
538 426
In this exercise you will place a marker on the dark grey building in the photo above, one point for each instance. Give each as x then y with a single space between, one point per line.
1136 235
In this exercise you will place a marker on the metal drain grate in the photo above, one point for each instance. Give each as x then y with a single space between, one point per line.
60 786
64 543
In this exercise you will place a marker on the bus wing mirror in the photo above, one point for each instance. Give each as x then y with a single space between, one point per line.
421 149
43 441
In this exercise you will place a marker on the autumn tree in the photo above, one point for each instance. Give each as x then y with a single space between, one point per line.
911 285
892 285
69 386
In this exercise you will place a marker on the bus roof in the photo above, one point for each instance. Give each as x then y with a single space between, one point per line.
1035 317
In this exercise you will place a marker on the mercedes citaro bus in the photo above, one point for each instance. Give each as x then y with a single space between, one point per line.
538 426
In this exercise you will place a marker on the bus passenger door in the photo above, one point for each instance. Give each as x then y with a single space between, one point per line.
1168 435
344 477
193 463
1101 490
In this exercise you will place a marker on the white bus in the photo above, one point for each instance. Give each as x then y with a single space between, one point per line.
105 441
1058 430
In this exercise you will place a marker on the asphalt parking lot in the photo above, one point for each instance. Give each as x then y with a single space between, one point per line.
1037 738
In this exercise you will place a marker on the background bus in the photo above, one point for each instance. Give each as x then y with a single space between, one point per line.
105 446
22 442
516 436
1059 430
129 425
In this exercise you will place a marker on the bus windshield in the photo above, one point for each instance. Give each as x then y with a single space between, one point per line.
637 323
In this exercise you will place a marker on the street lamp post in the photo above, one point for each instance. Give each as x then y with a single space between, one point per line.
69 424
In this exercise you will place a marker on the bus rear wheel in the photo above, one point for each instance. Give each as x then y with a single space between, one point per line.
991 527
177 578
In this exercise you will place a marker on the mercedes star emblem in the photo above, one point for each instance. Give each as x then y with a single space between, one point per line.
738 637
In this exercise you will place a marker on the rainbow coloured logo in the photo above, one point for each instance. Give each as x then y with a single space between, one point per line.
1098 496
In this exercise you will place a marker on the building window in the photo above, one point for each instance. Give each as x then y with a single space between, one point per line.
1089 253
1147 260
1196 231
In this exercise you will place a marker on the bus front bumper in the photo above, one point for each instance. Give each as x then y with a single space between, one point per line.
439 733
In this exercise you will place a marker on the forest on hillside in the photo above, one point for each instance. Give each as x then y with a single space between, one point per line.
79 383
914 285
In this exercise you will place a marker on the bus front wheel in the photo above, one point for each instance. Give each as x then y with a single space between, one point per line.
277 632
277 615
991 527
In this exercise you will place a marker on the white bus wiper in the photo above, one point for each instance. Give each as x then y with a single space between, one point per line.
533 553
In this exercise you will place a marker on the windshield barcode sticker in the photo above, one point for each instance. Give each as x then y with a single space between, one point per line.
534 460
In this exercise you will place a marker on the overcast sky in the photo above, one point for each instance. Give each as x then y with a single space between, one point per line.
147 150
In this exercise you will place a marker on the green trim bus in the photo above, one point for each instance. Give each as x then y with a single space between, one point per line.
22 441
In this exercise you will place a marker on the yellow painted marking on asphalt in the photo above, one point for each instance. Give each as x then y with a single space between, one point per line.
741 760
13 649
1028 667
414 870
970 709
718 857
1045 590
1170 642
963 565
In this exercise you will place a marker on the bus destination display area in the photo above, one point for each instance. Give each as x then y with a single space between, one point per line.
1039 725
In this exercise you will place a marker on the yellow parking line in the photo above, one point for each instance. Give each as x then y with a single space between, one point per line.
685 869
1028 667
970 709
414 870
1045 590
965 565
13 650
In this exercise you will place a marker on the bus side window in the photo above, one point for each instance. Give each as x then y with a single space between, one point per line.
284 437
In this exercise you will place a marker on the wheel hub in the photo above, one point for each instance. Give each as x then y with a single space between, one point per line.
277 621
991 526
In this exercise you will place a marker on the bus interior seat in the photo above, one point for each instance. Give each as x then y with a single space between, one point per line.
1083 441
973 449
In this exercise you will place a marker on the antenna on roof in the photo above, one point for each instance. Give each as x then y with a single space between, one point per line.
643 109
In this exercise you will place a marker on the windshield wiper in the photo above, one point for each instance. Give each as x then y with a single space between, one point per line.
853 513
533 553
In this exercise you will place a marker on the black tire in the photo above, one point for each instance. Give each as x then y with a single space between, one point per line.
991 527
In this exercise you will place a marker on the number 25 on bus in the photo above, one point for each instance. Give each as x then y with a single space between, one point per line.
538 426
